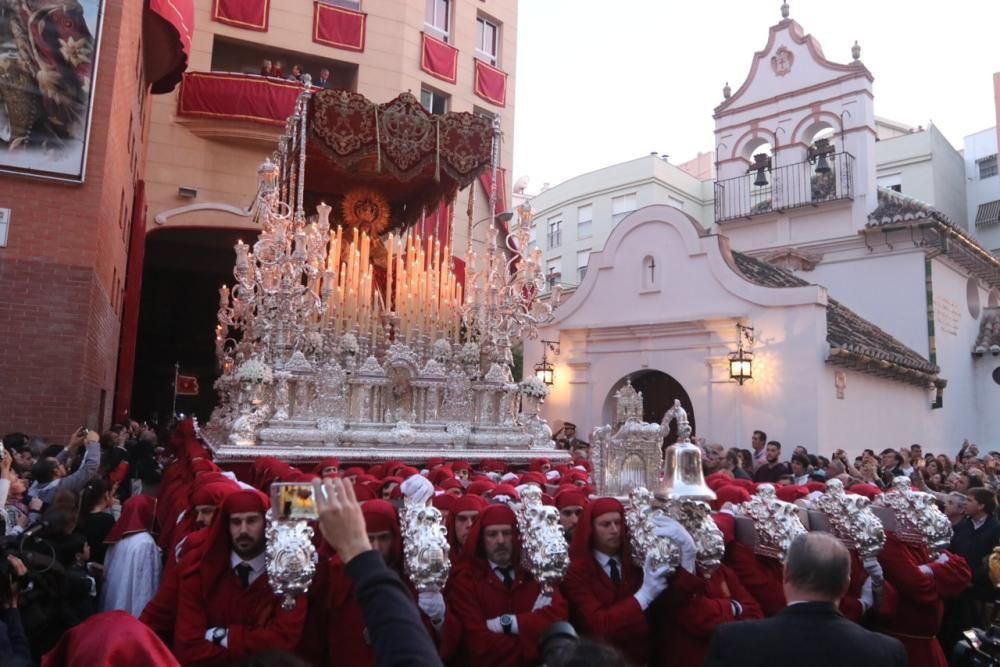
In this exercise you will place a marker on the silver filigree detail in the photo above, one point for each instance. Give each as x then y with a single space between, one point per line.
851 519
425 546
639 516
776 523
917 515
544 550
291 558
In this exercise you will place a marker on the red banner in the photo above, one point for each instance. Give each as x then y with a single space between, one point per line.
438 58
187 385
486 179
491 83
437 223
338 27
238 97
246 14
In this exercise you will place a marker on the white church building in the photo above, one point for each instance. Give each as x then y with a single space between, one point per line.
871 318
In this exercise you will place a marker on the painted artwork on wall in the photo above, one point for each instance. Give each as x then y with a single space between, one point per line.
48 69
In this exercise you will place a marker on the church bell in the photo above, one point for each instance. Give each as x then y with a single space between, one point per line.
683 476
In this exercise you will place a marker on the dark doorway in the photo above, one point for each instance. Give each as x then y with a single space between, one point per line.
658 393
182 273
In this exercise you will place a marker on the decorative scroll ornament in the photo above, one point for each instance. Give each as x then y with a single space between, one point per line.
367 210
777 523
291 558
919 519
696 517
543 544
425 546
645 543
851 519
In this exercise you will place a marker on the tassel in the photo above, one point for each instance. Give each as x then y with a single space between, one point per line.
378 145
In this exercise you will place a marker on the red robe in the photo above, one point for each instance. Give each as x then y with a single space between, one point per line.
605 611
850 603
335 628
762 577
921 607
254 618
476 594
693 608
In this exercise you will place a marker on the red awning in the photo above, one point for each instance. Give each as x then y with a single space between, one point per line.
167 26
237 97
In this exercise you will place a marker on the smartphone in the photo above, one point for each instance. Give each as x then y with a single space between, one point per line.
292 501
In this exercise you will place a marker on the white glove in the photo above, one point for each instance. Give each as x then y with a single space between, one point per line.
552 475
654 582
874 571
943 558
493 477
508 477
926 569
521 487
418 488
664 526
542 600
867 596
432 604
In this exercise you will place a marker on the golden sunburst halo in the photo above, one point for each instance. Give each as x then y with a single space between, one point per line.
367 210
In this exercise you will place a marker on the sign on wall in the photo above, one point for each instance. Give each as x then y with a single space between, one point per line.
48 68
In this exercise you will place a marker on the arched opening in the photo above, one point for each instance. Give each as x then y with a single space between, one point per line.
816 131
658 393
182 273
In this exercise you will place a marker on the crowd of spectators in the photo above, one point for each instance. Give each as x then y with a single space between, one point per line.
276 70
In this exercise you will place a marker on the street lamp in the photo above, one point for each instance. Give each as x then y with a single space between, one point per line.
741 361
544 371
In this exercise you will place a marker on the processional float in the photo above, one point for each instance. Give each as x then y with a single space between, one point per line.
349 333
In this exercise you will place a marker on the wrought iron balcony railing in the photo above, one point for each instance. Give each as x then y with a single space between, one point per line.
786 187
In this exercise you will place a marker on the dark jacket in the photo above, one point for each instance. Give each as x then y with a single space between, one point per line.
397 634
812 633
975 546
13 643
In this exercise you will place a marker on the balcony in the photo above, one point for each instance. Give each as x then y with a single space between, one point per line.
785 188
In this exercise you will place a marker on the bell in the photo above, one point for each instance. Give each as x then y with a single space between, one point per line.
682 474
822 166
761 179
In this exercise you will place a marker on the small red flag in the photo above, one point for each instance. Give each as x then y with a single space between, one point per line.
187 385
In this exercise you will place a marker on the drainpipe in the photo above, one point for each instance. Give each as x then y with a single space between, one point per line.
931 342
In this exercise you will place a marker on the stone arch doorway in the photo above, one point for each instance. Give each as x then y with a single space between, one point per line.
658 393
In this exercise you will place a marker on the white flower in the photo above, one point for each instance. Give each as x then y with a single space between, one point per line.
533 387
349 344
255 370
470 354
441 351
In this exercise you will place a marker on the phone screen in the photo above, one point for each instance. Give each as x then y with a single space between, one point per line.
291 501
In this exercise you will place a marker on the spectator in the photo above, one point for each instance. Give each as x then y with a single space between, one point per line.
758 442
296 74
975 537
278 70
267 69
800 469
733 462
14 649
96 518
773 469
50 473
323 82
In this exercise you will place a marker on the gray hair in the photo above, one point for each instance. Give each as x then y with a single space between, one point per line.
818 563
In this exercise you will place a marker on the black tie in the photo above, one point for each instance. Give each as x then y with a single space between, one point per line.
616 574
508 580
243 570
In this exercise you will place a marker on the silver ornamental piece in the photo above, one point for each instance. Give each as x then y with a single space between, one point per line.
917 515
696 517
544 551
425 546
851 519
777 523
639 516
683 475
631 456
291 558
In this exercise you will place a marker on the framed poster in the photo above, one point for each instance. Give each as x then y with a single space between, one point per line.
48 70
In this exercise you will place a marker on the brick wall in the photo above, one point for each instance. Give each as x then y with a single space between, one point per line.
63 271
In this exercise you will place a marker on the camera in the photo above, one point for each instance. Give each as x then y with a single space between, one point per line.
978 648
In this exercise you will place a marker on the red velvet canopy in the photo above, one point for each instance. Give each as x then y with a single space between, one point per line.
412 158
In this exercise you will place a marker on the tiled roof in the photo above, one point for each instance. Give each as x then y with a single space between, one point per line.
895 207
854 341
989 330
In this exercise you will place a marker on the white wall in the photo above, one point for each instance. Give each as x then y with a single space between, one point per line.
987 400
979 191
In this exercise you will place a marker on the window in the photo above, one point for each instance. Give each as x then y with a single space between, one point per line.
348 4
987 166
622 206
555 232
584 221
437 20
533 235
435 102
487 40
582 259
675 202
552 274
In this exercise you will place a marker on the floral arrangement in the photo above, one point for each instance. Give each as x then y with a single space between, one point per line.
349 344
533 387
255 370
469 355
441 351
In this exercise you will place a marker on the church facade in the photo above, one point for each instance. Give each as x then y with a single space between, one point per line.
869 315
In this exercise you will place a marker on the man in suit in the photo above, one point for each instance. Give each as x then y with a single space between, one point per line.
817 574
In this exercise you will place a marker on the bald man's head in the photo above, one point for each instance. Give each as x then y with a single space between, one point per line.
818 567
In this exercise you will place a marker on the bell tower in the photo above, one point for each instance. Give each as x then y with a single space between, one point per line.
795 145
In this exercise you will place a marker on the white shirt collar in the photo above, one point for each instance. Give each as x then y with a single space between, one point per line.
979 524
499 575
603 559
258 564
